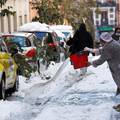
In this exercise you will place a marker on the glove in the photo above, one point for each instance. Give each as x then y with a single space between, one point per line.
91 50
87 49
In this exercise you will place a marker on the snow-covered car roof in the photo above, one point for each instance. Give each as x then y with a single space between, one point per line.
34 26
22 34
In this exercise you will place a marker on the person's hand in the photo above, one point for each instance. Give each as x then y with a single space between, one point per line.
95 51
87 49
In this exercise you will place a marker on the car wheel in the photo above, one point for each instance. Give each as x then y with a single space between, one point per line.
38 66
2 89
16 84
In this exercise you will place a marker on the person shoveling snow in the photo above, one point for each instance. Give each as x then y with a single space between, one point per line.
109 52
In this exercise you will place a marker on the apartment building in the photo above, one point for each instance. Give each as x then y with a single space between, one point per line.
10 23
105 18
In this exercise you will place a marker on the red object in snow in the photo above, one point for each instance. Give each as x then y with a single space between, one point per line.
79 60
52 44
31 52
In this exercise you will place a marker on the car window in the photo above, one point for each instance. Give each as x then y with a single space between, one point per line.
36 41
55 37
40 35
27 42
20 41
66 33
49 39
9 41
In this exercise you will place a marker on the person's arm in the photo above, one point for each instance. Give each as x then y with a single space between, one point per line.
98 62
95 51
70 41
105 56
90 41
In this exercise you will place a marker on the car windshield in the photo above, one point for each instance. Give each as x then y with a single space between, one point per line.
40 35
20 41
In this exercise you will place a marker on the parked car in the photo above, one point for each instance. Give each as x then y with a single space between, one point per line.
65 29
9 78
48 40
51 41
26 46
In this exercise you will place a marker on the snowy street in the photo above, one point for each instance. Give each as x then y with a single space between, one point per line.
64 97
58 59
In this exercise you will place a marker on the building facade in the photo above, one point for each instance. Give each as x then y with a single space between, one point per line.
104 15
10 23
118 13
32 12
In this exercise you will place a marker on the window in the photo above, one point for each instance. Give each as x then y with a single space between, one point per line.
112 22
97 16
111 16
2 24
97 22
111 10
9 23
25 18
20 41
20 20
28 43
15 22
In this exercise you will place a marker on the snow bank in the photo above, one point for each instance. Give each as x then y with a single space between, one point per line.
62 97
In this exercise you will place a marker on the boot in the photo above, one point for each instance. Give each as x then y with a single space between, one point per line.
118 91
117 108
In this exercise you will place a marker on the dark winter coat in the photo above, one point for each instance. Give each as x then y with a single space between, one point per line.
116 35
111 53
81 39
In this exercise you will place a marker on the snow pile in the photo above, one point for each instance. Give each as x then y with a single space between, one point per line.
89 98
34 26
7 108
64 97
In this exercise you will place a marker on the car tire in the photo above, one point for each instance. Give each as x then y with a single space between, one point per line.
2 89
38 66
16 84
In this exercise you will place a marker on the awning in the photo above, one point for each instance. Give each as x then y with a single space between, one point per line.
105 28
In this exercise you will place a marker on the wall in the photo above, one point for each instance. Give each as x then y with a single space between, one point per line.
12 22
